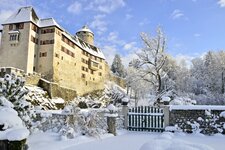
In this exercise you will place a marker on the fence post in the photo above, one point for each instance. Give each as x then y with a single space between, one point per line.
111 122
166 112
125 114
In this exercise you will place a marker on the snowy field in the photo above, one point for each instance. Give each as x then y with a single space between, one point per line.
129 141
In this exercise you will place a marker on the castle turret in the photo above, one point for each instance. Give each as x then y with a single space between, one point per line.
86 35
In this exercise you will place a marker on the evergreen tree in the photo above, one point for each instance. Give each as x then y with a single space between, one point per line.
117 67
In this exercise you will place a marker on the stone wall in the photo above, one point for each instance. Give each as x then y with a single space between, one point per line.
204 121
54 90
31 78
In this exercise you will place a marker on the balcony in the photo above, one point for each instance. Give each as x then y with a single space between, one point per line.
93 65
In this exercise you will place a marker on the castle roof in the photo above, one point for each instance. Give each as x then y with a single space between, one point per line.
27 14
85 29
24 14
48 22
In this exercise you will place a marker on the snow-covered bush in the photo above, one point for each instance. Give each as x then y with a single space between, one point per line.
182 101
12 93
11 125
99 99
38 97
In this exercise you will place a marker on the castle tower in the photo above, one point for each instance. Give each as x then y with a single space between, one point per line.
86 35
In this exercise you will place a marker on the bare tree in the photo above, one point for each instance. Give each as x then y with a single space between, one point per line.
150 61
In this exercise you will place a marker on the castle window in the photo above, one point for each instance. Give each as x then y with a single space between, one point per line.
44 31
19 26
13 37
34 28
83 75
83 68
92 72
46 42
56 55
100 67
43 54
33 39
100 74
33 68
10 27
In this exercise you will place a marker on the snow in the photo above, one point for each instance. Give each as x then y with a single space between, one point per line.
13 32
197 107
125 99
111 115
168 144
58 100
4 102
128 141
166 99
222 114
9 118
112 108
21 15
17 134
172 128
13 129
48 22
85 29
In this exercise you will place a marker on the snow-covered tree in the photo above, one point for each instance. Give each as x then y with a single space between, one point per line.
151 60
136 87
12 93
117 67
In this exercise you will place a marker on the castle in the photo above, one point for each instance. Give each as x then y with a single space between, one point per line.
43 46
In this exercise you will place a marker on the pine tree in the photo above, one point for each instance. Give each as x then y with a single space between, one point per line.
117 67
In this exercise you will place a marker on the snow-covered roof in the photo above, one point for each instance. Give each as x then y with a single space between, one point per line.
85 46
85 29
48 22
24 14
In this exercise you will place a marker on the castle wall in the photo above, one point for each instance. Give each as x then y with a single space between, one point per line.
15 53
74 71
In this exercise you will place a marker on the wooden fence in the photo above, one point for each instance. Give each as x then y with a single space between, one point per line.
146 118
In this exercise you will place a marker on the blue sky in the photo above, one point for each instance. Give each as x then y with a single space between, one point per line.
192 27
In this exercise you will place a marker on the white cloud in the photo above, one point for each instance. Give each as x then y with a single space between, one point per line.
221 3
105 6
113 38
197 35
109 52
75 8
128 16
129 46
176 14
99 24
144 22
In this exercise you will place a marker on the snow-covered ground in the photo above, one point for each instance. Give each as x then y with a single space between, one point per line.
129 141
